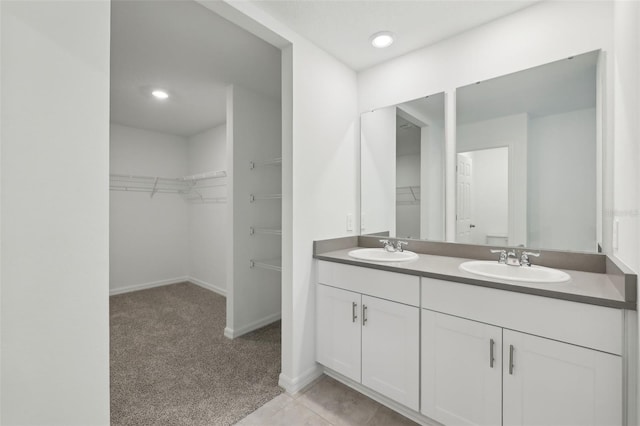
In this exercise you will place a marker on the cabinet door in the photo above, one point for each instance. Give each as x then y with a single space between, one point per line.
547 382
461 370
338 330
390 349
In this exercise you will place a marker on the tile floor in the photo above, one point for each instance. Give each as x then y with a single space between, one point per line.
327 402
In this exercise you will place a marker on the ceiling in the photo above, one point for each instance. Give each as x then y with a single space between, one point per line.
193 53
343 27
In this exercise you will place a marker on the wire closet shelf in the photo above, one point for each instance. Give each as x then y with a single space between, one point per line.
189 187
407 195
270 264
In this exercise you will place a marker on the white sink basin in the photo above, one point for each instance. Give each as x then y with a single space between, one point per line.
381 255
531 274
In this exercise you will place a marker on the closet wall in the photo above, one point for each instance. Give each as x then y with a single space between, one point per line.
168 237
148 242
207 221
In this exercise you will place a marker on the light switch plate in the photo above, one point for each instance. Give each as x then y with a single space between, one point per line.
349 222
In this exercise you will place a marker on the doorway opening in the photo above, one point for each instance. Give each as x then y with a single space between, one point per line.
195 216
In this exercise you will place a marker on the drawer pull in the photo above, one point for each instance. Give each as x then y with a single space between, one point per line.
511 359
491 358
364 315
354 311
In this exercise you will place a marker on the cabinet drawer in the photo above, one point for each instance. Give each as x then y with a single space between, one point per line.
386 285
581 324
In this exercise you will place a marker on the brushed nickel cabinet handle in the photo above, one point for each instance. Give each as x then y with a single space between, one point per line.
364 315
354 311
510 359
491 358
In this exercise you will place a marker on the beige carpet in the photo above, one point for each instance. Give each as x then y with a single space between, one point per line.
171 364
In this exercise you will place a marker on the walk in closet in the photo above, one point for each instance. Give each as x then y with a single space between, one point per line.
195 173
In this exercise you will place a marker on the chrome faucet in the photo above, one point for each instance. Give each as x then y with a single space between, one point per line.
513 258
399 245
503 255
388 246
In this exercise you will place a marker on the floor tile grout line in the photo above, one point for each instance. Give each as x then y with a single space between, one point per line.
319 415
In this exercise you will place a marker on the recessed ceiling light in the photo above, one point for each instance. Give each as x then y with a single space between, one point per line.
160 94
382 39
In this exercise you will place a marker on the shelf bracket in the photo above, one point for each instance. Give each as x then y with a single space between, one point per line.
155 187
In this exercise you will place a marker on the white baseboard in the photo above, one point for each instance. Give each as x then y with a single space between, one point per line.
216 289
144 286
395 406
232 333
136 287
297 384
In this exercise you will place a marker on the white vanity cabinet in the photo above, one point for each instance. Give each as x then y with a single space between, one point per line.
390 349
368 329
550 383
338 330
486 364
461 370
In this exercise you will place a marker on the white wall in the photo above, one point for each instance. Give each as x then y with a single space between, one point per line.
325 158
562 180
55 204
253 134
207 222
627 132
626 208
531 37
148 236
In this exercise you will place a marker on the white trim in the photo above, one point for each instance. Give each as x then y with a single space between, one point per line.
630 368
144 286
228 333
395 406
215 288
233 333
297 384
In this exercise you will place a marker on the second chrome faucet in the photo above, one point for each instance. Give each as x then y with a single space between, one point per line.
511 257
388 245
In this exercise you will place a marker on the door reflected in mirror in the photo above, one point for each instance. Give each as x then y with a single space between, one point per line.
483 174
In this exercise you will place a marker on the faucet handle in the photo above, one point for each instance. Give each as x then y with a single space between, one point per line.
524 258
503 255
399 245
385 242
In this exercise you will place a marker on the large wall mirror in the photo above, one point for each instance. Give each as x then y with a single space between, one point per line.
527 158
402 166
527 162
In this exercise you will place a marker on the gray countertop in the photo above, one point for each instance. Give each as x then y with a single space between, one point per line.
583 287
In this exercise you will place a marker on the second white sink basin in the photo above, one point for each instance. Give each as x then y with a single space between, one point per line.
532 274
381 255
